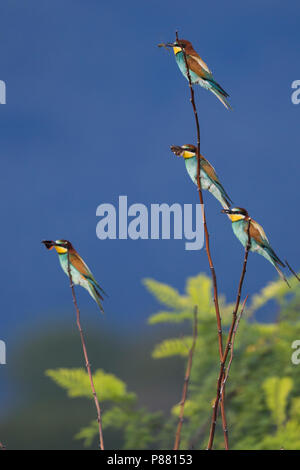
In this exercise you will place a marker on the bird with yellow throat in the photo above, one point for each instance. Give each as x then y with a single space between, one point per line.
199 72
242 224
80 272
208 177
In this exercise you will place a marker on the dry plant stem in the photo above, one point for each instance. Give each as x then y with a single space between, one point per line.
207 244
232 348
199 434
186 381
87 363
228 345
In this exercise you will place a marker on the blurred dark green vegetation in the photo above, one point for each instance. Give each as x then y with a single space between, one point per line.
140 394
39 415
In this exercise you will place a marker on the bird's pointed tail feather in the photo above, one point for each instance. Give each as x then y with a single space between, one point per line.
226 200
96 296
220 97
292 271
272 254
281 275
96 285
218 87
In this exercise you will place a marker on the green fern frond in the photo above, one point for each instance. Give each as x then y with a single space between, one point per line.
173 347
88 433
273 290
199 291
170 317
139 427
190 408
77 384
276 392
295 409
115 417
166 295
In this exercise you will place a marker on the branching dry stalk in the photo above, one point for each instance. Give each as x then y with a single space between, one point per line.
87 363
207 244
186 381
228 345
232 348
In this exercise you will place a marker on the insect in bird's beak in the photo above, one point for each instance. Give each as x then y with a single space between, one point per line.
49 244
166 45
226 211
176 149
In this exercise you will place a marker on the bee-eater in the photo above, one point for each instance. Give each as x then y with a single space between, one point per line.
259 241
80 272
208 177
199 71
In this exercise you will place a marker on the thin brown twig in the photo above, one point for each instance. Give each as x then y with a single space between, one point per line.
228 344
199 434
186 381
87 363
232 348
207 244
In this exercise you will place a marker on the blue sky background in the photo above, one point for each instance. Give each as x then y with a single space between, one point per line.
92 108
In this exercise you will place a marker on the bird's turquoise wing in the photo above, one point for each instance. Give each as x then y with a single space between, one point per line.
212 175
257 233
84 270
96 295
272 254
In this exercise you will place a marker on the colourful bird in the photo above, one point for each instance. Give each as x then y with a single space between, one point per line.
259 242
199 71
208 177
80 273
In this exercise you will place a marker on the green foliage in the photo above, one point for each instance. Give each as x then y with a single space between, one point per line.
173 347
77 384
277 391
166 294
190 408
286 435
262 392
169 317
277 290
138 426
198 291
